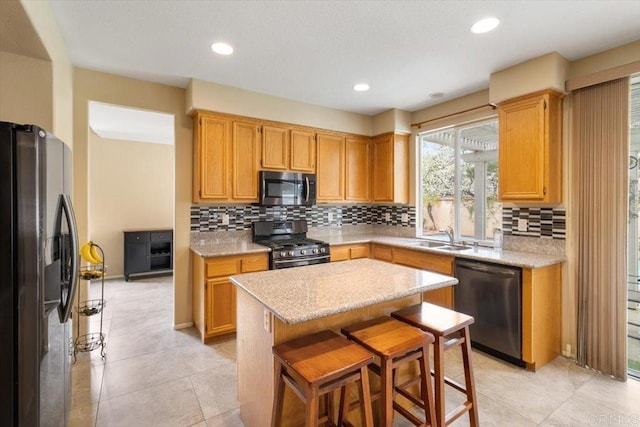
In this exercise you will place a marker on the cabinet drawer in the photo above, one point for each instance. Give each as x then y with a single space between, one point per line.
161 236
222 267
360 251
137 237
254 263
339 253
425 261
383 253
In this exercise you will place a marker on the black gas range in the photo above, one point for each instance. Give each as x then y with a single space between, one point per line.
289 244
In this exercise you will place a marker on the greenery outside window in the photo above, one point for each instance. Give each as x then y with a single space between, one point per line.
458 182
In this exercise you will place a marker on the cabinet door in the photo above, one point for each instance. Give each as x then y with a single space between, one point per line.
522 150
211 173
303 151
245 161
330 173
383 168
357 170
221 306
275 147
136 258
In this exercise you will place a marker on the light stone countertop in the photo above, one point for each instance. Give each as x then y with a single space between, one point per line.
301 294
514 258
211 248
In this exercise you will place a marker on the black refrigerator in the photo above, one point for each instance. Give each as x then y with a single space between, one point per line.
38 276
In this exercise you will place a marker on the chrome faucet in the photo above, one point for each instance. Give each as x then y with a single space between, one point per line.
449 232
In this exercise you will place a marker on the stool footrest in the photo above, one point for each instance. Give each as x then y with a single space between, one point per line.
454 414
452 342
449 381
408 415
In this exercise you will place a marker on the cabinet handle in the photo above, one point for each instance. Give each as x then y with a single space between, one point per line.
544 191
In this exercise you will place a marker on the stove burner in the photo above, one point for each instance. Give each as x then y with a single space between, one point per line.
289 245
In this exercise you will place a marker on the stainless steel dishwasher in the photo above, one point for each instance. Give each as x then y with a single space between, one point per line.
492 294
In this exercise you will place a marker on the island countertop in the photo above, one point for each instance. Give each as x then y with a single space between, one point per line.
301 294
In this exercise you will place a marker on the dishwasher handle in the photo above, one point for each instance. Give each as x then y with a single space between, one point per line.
487 268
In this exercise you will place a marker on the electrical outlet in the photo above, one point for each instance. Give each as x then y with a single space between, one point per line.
267 320
522 224
330 216
225 219
404 218
387 217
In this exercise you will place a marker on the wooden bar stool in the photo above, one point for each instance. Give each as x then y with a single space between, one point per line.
442 323
396 344
316 365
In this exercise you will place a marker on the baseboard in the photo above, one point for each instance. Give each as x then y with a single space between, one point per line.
183 325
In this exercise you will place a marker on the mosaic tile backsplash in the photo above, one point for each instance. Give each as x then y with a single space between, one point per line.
240 217
545 223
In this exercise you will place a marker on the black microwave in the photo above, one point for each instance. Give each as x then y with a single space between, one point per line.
287 189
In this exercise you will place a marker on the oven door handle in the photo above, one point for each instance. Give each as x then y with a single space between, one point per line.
315 258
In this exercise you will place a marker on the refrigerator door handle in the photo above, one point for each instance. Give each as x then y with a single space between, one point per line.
67 207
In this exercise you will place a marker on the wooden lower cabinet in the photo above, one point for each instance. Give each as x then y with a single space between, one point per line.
214 296
437 263
347 252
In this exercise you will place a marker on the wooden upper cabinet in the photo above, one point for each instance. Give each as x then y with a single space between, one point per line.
391 168
245 161
530 148
275 147
303 151
330 168
357 169
212 147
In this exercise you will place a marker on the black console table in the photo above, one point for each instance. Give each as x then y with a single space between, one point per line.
148 251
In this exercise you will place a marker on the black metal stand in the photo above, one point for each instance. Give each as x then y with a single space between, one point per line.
92 307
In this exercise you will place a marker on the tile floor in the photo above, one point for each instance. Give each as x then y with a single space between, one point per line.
156 376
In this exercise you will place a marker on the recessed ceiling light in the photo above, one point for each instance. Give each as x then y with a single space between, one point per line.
485 25
222 48
361 87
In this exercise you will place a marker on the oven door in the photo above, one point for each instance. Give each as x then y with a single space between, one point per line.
281 189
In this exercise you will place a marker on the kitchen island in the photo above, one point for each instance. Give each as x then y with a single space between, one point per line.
278 305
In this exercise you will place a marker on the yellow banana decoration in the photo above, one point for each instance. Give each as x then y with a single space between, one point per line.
85 252
93 250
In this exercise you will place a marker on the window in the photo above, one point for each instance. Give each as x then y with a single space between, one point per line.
458 182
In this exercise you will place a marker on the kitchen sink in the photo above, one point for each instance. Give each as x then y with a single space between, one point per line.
430 244
452 247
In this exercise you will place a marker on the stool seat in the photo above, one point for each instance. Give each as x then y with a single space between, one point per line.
442 323
396 344
387 337
433 318
316 365
321 357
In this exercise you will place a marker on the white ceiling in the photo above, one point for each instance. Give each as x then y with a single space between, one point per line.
130 124
314 51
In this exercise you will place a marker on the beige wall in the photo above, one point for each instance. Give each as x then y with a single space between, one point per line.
130 187
544 72
26 90
95 86
41 17
203 95
611 58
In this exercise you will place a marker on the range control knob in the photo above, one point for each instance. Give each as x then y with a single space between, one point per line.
323 250
303 252
290 253
315 250
283 254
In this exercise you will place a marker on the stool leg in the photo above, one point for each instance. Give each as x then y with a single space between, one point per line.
438 367
426 388
313 401
468 378
344 404
386 384
365 398
278 397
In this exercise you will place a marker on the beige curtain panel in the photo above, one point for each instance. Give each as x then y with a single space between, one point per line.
600 159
